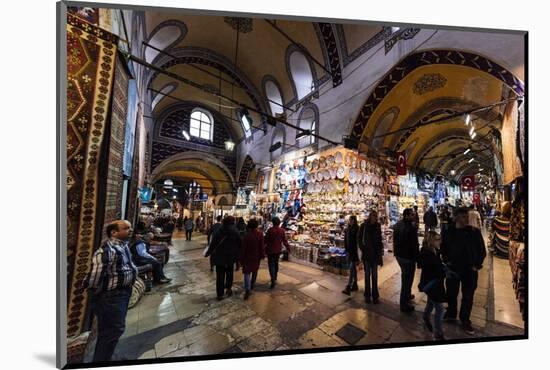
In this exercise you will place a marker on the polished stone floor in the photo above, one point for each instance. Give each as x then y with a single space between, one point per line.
305 310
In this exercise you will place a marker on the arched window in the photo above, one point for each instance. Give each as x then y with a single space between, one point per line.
302 75
308 120
165 35
274 97
201 125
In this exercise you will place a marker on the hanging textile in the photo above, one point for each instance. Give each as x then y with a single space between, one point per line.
512 166
91 55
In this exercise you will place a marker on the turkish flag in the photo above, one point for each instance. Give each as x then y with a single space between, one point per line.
468 182
477 198
401 163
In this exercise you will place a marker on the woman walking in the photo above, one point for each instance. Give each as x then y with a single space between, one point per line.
225 248
252 251
350 243
372 251
432 283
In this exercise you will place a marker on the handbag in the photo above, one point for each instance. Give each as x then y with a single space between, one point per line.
207 252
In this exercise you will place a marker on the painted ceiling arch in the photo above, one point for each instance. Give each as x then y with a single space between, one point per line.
412 63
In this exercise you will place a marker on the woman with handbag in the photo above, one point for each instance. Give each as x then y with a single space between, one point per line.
432 283
225 248
372 252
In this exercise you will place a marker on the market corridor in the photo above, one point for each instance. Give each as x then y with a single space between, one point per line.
305 310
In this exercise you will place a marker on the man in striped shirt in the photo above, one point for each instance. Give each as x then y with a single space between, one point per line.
110 283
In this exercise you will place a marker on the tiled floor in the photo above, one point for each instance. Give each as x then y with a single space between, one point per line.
306 310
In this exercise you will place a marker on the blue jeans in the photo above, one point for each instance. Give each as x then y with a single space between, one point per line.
352 274
110 308
407 276
273 265
250 280
371 273
438 318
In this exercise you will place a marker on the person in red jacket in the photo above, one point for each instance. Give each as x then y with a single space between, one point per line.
252 251
274 240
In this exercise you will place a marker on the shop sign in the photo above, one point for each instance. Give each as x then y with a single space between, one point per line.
477 198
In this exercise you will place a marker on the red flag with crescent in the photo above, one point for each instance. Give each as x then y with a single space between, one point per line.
468 182
477 198
401 163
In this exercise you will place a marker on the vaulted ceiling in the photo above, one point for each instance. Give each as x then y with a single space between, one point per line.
204 49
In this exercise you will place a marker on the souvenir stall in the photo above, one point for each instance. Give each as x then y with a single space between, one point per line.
338 182
245 205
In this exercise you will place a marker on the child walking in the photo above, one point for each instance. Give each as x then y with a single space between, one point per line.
432 283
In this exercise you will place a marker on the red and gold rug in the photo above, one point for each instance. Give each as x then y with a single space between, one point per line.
91 56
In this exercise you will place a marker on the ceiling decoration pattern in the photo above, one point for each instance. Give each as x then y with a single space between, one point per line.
194 55
369 44
243 25
331 46
405 34
428 83
423 58
247 167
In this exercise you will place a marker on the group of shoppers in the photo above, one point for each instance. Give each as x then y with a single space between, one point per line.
243 245
368 239
449 262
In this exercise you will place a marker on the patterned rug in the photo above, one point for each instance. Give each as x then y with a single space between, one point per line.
91 55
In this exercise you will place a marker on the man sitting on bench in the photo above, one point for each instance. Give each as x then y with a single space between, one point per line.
141 249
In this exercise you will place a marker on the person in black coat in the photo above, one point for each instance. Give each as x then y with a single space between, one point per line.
406 250
372 252
463 250
432 283
225 248
350 243
430 220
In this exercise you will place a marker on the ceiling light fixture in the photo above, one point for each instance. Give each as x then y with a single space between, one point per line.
467 151
453 172
229 145
471 160
472 129
275 146
467 119
473 135
186 135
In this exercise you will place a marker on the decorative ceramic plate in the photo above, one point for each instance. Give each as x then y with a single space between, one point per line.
338 158
341 172
352 176
326 174
332 171
330 160
322 162
319 176
308 178
340 185
363 164
315 164
350 189
348 159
